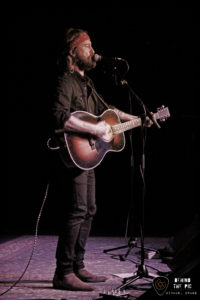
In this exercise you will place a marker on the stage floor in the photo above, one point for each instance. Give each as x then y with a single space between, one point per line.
37 281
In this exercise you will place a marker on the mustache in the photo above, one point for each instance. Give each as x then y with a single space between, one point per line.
86 64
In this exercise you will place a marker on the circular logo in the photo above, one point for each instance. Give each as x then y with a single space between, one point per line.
160 284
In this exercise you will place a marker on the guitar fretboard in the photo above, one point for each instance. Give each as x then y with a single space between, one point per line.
119 128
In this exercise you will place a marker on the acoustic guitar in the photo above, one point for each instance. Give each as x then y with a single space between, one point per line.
86 151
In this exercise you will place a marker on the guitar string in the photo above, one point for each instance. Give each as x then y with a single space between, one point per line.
121 127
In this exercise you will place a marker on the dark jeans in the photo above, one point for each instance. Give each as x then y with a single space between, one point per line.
77 208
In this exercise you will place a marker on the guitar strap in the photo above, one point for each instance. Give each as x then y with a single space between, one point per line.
97 94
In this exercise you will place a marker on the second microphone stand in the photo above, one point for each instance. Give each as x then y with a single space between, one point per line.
141 268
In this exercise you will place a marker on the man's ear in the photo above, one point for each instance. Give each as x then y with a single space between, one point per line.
72 52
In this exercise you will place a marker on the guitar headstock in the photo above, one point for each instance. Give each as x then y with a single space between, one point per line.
162 113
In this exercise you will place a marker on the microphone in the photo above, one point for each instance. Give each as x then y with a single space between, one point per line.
98 58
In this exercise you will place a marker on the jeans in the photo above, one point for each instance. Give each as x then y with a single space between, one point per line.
77 208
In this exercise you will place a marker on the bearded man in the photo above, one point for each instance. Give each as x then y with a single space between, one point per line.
76 92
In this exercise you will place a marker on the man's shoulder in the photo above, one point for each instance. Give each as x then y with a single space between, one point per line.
66 79
66 76
73 77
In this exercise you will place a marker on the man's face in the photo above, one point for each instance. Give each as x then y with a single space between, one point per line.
84 55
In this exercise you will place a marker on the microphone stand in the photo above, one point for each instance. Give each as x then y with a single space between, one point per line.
141 268
145 108
142 271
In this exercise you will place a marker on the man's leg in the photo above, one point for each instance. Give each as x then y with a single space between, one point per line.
85 226
79 267
76 211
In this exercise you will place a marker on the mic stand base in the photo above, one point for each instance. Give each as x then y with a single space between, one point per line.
119 291
131 244
142 272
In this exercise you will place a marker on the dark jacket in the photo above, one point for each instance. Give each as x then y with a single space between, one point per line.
73 93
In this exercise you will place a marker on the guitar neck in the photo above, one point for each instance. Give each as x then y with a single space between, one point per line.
121 127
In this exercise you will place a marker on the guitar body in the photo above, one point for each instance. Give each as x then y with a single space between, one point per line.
86 151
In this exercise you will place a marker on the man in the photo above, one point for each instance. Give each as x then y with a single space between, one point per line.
76 91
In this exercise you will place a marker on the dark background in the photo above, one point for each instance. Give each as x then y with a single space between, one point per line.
161 46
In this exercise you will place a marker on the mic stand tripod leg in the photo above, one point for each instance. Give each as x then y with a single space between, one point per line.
131 244
117 248
142 272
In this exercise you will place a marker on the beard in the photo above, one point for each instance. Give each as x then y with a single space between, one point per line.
85 65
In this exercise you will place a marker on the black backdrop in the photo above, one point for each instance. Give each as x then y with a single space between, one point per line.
161 47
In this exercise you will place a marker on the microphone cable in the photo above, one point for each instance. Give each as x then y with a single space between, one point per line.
34 243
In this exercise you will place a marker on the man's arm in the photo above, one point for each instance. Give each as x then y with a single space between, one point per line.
100 129
127 117
124 116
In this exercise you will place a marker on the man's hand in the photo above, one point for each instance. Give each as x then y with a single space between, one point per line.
104 131
148 122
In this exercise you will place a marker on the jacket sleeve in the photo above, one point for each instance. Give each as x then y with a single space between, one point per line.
62 101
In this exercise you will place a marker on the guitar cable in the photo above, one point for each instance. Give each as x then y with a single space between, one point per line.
34 242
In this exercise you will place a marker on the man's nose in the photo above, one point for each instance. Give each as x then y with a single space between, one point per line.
92 51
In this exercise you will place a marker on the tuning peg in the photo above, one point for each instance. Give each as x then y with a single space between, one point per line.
160 108
163 119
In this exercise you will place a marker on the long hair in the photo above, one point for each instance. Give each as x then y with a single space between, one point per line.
65 61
